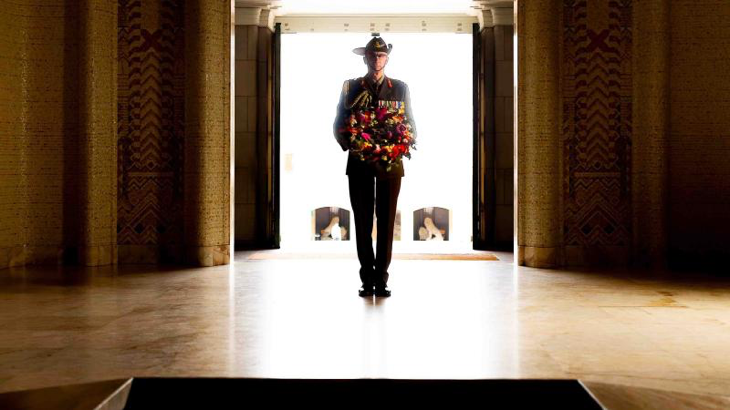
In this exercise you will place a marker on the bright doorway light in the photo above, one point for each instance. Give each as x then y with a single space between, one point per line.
438 70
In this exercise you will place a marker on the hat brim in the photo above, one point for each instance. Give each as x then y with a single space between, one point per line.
361 50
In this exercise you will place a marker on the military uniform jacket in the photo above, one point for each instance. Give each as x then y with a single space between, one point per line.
390 90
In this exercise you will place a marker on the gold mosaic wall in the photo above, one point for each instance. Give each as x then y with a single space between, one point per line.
699 138
57 195
641 172
14 58
209 164
62 152
631 154
539 157
649 167
174 134
97 132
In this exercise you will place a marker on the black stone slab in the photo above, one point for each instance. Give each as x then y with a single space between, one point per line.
234 393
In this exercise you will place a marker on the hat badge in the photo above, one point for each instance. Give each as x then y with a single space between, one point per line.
376 43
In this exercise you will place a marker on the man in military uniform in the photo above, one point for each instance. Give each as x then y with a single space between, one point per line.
374 89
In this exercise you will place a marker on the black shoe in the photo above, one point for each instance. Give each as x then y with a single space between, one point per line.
366 290
382 290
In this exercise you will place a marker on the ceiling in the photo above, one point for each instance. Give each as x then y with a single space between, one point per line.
295 16
374 7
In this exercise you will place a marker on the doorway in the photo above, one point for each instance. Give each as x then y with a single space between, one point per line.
435 202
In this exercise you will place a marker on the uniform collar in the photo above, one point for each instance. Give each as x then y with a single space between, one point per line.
384 84
375 83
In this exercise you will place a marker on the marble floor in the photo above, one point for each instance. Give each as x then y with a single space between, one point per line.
302 318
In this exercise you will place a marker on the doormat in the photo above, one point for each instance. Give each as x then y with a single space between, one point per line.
485 256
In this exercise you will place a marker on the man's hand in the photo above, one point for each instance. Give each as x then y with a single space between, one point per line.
342 113
409 113
343 140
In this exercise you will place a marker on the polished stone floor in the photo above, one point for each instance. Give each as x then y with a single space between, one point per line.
290 318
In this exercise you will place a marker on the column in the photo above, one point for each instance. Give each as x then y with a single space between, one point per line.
264 226
487 179
503 18
247 34
538 135
208 138
650 128
97 70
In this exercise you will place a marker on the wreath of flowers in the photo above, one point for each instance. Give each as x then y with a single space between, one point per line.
380 134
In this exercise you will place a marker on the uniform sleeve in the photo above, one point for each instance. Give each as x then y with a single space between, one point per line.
409 112
341 139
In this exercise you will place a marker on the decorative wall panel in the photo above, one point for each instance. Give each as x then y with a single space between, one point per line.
596 123
539 176
151 116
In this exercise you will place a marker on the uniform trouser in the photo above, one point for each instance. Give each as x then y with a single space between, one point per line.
364 193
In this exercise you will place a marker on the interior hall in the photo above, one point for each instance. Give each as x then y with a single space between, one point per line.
174 207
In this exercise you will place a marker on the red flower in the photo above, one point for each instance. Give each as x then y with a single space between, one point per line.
381 112
363 117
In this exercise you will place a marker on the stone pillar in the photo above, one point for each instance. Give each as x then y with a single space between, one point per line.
650 132
254 131
58 197
208 138
503 18
247 34
264 131
97 70
538 148
16 65
487 180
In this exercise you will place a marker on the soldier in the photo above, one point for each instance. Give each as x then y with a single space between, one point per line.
371 184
